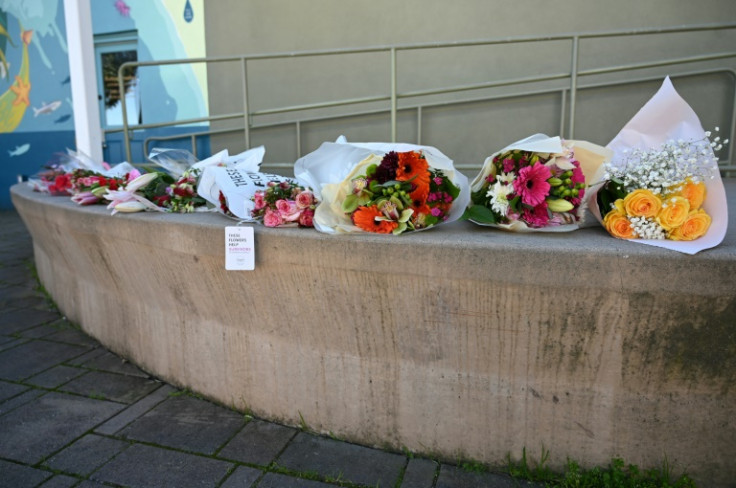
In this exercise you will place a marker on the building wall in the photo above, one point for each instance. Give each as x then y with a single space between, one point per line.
466 131
30 134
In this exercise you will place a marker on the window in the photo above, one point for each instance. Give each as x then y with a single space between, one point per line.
111 51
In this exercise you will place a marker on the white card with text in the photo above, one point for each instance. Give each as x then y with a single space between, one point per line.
240 249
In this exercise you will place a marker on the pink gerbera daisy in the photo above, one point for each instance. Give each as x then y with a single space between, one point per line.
531 184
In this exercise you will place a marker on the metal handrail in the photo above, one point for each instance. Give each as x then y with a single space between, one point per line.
569 94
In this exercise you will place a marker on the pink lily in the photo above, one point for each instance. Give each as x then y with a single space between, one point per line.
128 200
85 198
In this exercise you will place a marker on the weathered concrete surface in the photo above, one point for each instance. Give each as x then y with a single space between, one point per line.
460 341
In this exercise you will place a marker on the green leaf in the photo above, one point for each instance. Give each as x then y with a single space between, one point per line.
479 213
350 204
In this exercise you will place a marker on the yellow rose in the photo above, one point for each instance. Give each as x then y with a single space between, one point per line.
696 225
673 213
642 203
694 192
617 224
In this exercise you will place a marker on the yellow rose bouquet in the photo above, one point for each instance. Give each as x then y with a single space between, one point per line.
663 187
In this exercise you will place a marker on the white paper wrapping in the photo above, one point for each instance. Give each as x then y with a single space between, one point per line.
667 116
237 177
327 169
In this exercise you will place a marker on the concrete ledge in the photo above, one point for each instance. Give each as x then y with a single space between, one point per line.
460 342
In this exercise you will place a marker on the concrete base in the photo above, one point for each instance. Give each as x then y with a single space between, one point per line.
461 342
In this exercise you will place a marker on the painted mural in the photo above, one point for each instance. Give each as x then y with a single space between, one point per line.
36 111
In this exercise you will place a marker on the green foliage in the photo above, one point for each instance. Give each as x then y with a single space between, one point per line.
609 193
479 213
616 475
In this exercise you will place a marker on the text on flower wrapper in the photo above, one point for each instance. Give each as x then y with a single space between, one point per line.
240 179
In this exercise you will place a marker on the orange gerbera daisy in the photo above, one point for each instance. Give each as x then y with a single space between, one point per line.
365 218
413 167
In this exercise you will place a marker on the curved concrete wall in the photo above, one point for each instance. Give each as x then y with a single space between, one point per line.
458 342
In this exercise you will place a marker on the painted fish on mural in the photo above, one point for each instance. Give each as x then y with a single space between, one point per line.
63 118
22 149
3 70
66 80
46 108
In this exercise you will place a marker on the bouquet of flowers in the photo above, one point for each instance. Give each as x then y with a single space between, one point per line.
536 184
658 193
70 173
663 187
382 188
88 187
284 204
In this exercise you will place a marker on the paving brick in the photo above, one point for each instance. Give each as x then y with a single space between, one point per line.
186 422
146 466
33 357
340 460
51 422
111 386
22 319
258 443
454 477
86 454
419 473
58 375
134 411
9 390
15 274
108 361
18 476
66 333
60 481
243 477
20 400
37 332
275 480
86 357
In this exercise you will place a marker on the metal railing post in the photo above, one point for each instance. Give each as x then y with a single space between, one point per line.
246 115
393 94
126 133
573 86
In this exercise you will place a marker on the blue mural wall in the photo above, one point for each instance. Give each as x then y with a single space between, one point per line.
36 111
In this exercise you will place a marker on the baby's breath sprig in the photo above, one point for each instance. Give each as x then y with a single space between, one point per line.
662 169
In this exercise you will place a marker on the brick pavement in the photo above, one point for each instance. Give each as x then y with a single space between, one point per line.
73 414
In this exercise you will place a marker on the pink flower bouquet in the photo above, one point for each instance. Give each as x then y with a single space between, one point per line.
536 184
284 204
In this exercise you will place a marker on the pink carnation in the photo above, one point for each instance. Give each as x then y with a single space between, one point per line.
272 218
537 216
508 165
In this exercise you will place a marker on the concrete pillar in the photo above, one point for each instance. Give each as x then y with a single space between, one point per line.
83 77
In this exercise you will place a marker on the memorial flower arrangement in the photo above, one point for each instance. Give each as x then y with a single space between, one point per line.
54 180
284 203
538 183
658 193
663 187
399 193
88 187
538 189
382 188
